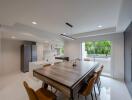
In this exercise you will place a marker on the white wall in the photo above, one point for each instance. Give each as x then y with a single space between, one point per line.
0 55
118 57
73 50
10 56
40 49
125 15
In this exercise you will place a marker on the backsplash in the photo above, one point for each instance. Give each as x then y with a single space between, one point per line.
47 52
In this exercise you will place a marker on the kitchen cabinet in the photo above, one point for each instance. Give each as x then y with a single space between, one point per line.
28 54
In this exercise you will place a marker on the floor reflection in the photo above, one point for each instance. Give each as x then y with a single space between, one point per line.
12 87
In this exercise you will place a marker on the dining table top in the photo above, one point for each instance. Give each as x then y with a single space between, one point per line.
65 73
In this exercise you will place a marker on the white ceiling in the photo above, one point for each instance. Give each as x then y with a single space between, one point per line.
51 15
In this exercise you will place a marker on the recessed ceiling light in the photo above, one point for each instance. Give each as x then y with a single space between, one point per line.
34 23
100 26
13 37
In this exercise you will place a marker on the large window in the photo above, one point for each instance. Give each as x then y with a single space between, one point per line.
60 51
98 48
99 51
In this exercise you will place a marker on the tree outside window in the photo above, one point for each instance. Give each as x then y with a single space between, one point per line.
98 48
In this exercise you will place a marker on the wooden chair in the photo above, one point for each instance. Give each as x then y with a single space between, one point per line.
47 84
40 94
98 71
88 87
44 84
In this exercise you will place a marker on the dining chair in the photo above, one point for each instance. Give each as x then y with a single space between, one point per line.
51 86
98 71
40 94
46 85
88 87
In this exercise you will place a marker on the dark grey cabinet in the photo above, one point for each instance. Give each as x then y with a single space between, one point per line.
34 53
25 57
128 58
28 54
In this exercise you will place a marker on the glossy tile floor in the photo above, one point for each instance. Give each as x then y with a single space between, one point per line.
11 88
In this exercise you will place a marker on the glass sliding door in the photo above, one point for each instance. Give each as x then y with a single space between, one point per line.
99 51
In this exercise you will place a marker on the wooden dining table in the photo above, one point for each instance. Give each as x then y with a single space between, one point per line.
65 77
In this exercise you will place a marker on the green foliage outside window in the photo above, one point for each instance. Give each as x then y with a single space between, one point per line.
98 48
62 51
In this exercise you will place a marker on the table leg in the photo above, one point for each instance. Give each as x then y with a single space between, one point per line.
70 99
44 85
